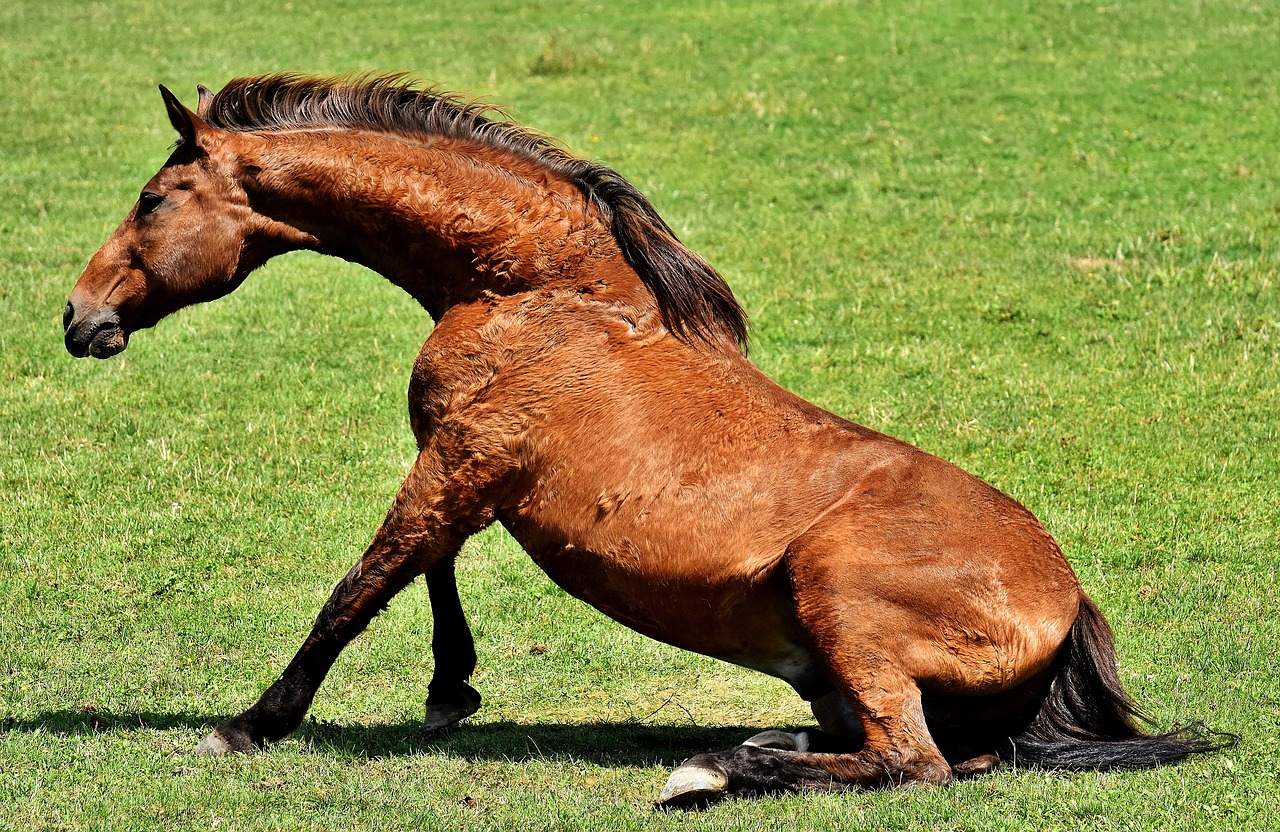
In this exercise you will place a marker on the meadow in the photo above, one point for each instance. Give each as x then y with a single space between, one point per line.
1036 239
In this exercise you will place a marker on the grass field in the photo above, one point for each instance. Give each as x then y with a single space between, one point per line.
1039 240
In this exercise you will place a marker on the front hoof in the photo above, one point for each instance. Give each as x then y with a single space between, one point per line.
444 710
222 741
694 785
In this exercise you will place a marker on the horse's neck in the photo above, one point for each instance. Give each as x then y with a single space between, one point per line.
443 222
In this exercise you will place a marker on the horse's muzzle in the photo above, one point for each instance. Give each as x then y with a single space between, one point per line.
98 334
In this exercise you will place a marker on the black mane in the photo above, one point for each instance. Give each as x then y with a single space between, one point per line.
693 298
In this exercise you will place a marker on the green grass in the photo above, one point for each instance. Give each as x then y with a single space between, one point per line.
1038 239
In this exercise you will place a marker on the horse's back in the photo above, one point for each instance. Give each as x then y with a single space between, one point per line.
608 422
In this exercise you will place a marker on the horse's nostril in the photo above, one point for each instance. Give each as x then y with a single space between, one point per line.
67 315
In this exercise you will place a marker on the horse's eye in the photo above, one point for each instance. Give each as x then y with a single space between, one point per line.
148 202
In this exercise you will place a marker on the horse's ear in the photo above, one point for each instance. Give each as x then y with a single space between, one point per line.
188 124
206 101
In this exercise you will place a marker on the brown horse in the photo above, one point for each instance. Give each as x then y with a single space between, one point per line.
586 386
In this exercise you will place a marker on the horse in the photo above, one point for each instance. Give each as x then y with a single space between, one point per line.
586 385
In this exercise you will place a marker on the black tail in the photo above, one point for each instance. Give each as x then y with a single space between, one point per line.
1088 722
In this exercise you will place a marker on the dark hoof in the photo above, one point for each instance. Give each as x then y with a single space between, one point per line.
223 740
694 785
444 710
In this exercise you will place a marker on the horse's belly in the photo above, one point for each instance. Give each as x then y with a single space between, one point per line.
748 620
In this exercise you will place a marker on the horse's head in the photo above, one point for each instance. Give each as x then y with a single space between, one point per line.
192 236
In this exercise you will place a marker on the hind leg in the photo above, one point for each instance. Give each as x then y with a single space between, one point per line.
842 731
449 697
877 703
865 647
922 579
897 751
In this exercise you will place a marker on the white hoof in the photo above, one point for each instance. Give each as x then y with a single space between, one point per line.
692 784
780 740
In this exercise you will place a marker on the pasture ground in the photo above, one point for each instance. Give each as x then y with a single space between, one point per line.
1037 239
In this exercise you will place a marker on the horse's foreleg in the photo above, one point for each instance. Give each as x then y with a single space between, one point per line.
361 594
431 517
449 697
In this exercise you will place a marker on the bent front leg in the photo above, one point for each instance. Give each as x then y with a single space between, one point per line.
426 526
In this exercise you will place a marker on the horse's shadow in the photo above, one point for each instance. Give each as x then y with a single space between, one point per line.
614 744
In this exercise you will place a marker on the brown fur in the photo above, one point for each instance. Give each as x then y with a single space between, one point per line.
584 386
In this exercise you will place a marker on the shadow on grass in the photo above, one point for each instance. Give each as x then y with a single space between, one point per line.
89 721
603 743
